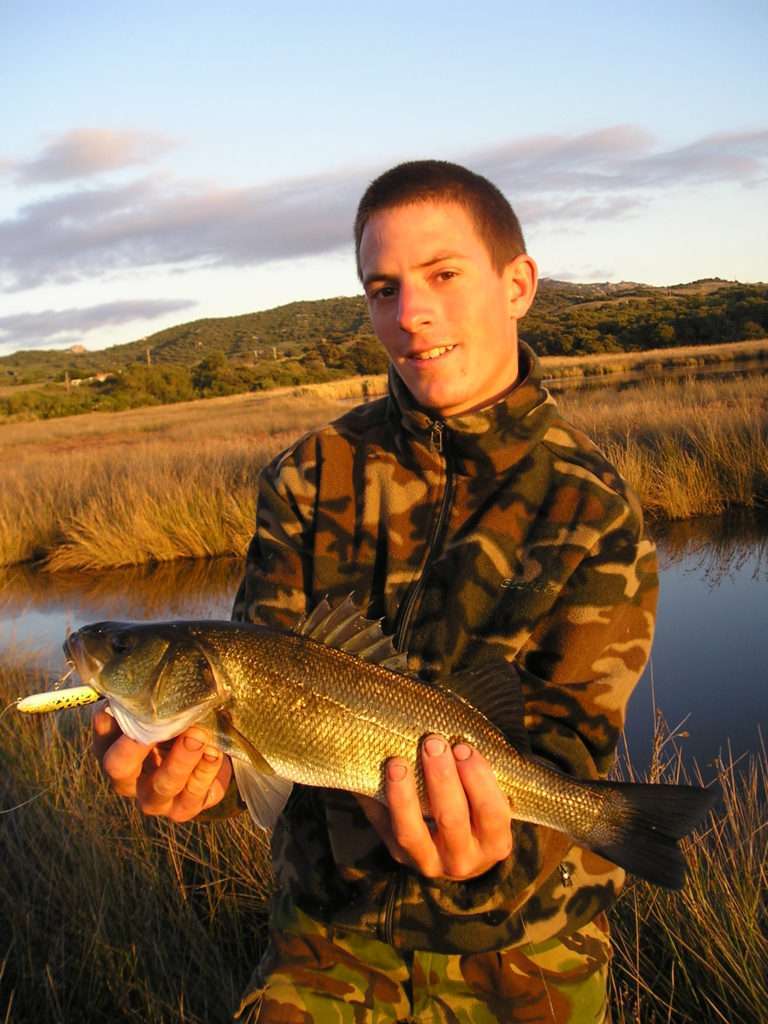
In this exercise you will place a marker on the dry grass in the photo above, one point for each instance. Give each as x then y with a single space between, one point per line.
110 916
106 915
690 448
700 955
110 489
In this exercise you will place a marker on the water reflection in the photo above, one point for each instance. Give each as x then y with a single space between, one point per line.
708 667
717 548
709 657
37 608
638 378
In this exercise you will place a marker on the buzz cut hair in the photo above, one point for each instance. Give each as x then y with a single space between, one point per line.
420 181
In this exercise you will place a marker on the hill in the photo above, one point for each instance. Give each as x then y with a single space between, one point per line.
318 340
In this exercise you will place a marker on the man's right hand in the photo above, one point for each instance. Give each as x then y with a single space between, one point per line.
177 780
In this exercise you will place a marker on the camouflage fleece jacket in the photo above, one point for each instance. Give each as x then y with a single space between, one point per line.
500 534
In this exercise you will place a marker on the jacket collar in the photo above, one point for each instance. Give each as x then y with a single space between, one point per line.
493 438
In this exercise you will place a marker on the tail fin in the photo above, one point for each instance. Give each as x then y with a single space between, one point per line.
640 824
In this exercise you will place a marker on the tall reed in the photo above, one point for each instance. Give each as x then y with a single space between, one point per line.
179 482
701 954
146 485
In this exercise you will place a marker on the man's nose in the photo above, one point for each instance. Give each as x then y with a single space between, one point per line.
414 309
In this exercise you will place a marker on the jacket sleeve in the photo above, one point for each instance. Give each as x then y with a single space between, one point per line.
577 670
278 568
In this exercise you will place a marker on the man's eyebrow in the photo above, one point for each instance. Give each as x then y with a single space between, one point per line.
438 258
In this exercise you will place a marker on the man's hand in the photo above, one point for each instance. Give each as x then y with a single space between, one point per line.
470 829
177 780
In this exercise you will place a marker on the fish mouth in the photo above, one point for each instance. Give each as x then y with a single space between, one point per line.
87 665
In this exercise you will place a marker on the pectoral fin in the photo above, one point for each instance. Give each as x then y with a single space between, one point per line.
265 794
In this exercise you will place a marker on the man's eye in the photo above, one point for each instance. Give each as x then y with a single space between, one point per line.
385 292
446 275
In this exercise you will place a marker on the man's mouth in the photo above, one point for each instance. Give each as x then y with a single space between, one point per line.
431 353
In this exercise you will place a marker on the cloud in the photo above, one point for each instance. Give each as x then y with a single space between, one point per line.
590 273
159 221
63 326
621 158
156 220
87 152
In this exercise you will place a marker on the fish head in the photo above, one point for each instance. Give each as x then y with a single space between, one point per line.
158 677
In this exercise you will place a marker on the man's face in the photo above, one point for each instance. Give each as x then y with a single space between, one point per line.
446 317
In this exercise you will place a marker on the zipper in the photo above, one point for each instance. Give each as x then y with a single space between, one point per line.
390 903
438 442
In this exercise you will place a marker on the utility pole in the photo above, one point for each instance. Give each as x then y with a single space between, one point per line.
149 356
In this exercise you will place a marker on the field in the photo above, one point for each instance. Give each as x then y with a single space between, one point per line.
109 916
178 481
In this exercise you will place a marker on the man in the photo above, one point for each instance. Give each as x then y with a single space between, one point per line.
483 529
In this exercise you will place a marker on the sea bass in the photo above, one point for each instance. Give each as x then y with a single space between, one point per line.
328 704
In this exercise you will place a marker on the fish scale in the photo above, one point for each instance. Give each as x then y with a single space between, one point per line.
328 704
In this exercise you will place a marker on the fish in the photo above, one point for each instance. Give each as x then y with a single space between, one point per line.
329 702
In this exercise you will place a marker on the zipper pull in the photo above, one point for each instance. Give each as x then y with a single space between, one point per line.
436 436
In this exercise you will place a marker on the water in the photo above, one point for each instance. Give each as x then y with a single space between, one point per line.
632 379
708 668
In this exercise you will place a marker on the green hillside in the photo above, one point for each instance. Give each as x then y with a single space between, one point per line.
318 340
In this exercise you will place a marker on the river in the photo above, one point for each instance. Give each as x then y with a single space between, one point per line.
707 673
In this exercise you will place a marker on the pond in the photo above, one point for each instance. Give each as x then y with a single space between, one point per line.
707 673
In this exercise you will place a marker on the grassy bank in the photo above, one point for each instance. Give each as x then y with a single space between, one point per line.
157 484
688 448
107 916
144 485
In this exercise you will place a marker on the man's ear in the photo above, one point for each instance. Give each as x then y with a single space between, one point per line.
521 276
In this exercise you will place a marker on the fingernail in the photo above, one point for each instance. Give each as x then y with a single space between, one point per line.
435 746
462 752
396 771
192 743
211 754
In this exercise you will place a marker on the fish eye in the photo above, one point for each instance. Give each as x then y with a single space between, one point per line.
121 643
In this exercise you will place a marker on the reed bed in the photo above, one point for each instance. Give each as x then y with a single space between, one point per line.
148 485
701 954
106 915
151 485
688 448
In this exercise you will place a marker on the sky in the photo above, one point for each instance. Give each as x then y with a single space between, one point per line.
165 161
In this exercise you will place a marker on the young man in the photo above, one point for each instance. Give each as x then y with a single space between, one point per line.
483 528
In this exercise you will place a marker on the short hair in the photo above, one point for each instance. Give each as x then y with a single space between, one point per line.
419 181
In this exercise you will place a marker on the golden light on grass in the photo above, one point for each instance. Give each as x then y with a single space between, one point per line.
178 481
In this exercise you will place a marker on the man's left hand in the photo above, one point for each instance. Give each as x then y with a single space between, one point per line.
469 830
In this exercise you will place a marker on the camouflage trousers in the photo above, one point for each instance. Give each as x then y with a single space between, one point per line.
314 974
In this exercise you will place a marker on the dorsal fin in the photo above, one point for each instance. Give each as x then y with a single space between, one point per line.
347 629
494 689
